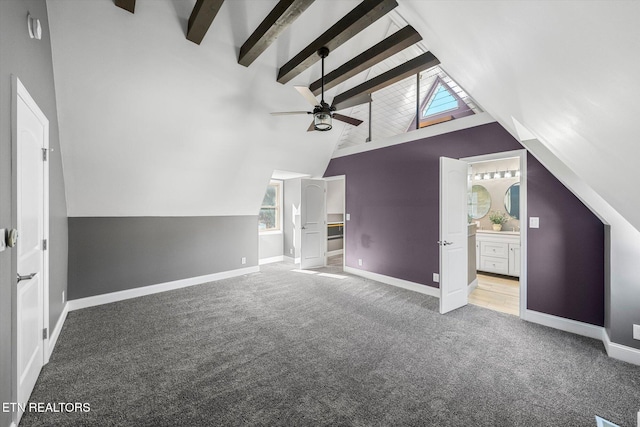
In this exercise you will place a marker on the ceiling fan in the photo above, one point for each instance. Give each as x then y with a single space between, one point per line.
323 113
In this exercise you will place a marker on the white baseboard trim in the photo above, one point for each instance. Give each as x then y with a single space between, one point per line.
270 260
55 333
472 286
567 325
393 281
80 303
619 351
336 252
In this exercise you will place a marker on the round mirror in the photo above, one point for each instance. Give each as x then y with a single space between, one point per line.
479 202
512 201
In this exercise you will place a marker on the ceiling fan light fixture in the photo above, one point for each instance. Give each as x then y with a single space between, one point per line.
322 121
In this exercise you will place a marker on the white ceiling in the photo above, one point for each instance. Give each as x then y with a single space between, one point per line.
566 70
152 124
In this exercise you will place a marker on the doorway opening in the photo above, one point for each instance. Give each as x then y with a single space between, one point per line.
335 208
497 231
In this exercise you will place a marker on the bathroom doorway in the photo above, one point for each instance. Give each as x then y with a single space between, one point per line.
497 231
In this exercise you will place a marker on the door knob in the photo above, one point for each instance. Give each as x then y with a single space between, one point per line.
445 243
27 277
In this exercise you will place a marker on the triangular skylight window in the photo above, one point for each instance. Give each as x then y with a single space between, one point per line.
441 101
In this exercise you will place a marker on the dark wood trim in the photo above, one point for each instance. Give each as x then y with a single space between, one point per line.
402 71
285 12
351 24
128 5
201 18
393 44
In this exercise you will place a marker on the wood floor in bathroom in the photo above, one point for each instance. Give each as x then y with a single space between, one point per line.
498 293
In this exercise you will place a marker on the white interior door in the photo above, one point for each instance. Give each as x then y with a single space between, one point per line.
32 129
453 234
313 223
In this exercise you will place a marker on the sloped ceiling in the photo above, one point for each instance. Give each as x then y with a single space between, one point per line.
566 70
152 124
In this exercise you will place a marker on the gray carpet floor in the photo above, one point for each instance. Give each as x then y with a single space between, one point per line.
286 348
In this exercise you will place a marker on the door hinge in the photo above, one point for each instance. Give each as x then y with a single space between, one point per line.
44 154
44 245
45 334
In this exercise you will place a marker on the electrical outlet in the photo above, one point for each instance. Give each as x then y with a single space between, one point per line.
436 277
244 260
636 332
63 297
3 244
360 262
290 251
348 217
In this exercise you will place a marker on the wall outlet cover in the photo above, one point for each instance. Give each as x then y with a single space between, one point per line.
244 260
359 262
290 251
348 217
636 332
63 297
436 277
534 222
3 244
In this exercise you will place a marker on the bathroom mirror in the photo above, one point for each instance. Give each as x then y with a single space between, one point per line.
479 202
512 201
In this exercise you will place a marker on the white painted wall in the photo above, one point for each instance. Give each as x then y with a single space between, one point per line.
153 124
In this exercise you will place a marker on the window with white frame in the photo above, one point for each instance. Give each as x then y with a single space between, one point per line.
269 218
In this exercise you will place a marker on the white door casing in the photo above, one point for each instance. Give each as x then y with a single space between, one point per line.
453 234
31 136
313 224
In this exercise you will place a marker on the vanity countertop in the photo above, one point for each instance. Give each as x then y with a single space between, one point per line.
512 233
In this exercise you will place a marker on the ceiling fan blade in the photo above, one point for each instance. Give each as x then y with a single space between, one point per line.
365 98
312 126
347 119
309 96
289 113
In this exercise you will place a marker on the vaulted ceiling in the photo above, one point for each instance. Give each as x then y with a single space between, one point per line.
154 124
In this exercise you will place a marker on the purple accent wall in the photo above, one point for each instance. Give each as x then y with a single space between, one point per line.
393 195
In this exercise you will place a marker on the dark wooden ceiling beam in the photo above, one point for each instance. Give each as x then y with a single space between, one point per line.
285 12
351 24
409 68
201 18
393 44
128 5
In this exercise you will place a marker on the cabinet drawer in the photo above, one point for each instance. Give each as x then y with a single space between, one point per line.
494 249
494 264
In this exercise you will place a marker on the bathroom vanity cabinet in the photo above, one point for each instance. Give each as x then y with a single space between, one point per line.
498 252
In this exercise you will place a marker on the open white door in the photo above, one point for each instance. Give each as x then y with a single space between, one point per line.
32 140
313 226
453 234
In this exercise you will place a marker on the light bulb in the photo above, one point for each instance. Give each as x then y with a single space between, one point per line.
487 176
517 173
507 174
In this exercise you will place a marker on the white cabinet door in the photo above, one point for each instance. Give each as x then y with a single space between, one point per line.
514 260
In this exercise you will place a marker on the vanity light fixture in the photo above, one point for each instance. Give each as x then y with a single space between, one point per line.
478 177
507 174
487 176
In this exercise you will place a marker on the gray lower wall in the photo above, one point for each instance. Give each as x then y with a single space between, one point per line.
119 253
270 245
29 60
